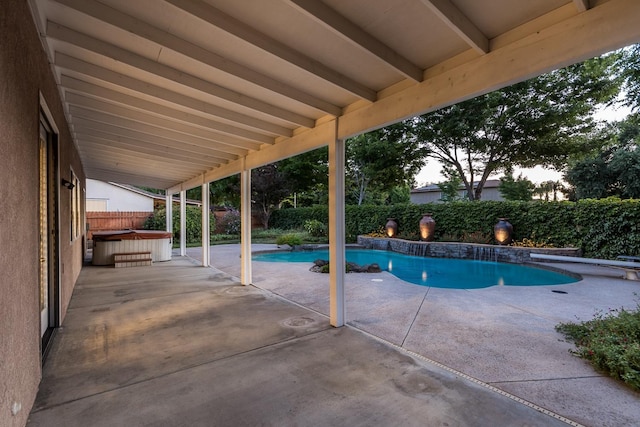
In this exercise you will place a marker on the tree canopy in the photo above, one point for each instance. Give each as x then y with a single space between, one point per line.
382 160
516 188
537 122
629 64
307 177
614 170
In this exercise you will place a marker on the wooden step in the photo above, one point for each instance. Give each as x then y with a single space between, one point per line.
137 263
132 259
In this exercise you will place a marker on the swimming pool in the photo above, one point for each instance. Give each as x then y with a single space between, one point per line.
435 272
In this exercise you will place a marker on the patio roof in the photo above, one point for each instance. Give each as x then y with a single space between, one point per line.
171 94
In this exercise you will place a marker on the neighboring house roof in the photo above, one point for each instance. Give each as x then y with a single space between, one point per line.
490 183
176 197
155 196
138 190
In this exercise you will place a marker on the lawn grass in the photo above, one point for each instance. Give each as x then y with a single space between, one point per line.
258 236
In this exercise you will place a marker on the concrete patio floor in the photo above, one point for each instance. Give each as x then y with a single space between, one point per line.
177 344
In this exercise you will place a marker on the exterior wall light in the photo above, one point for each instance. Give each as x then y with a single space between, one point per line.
67 184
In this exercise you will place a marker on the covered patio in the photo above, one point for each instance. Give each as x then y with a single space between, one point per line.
179 93
175 94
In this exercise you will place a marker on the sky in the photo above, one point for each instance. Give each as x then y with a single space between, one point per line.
430 174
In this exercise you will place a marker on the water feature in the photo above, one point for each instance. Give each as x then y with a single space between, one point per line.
472 251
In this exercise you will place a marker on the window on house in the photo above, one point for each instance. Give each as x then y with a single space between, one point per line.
97 205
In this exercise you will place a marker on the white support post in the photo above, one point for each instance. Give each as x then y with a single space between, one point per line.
206 213
183 223
245 227
337 309
169 213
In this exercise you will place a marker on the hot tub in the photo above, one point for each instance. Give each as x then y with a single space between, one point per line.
108 243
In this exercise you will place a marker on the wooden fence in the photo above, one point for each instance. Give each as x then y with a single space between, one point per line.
103 221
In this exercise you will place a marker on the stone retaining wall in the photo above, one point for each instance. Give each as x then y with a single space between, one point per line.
513 254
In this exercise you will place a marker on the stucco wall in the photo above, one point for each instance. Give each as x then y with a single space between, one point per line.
24 74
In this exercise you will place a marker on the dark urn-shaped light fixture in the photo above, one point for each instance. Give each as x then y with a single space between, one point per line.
427 227
391 227
503 231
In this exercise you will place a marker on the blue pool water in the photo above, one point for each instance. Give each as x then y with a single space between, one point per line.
435 272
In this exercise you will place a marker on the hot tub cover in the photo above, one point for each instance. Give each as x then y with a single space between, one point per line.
130 235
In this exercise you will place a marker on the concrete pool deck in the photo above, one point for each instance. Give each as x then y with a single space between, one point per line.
502 336
176 344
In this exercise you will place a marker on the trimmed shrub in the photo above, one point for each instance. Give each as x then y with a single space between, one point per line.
601 228
315 228
158 221
611 342
231 222
290 239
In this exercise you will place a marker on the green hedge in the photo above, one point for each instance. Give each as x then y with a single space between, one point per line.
158 221
601 228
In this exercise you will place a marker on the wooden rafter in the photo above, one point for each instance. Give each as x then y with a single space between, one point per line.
459 23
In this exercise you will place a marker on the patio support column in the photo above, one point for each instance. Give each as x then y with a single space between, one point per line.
183 223
245 226
337 310
206 232
169 213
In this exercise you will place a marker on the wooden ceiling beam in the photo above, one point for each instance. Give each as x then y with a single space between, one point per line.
86 126
94 71
64 34
92 140
132 178
459 23
139 138
141 160
123 164
166 40
229 24
346 29
582 5
110 100
154 129
77 101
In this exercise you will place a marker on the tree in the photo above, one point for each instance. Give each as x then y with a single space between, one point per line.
151 190
591 178
611 173
450 189
615 169
381 160
268 188
226 192
625 167
537 122
398 195
549 190
516 188
629 63
307 177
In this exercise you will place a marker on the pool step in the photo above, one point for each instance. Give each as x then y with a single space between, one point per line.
132 259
